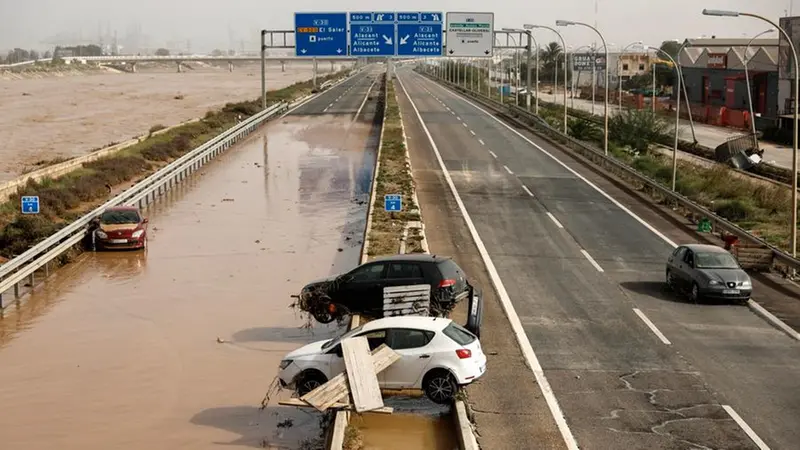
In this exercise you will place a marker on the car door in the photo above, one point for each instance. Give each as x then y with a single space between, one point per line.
415 355
362 289
686 269
674 262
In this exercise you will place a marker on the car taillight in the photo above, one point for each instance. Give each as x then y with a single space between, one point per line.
447 283
464 353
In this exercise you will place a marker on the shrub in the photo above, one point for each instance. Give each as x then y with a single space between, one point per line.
582 130
637 129
24 232
736 209
156 127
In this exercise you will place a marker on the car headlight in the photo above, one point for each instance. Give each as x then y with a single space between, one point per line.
137 234
285 363
747 284
101 234
713 282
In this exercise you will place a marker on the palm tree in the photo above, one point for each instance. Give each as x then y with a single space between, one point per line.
549 57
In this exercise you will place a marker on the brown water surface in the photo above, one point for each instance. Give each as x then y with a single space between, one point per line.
121 350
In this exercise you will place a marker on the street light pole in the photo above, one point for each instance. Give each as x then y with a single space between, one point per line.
796 114
528 68
263 69
528 27
747 80
563 23
677 118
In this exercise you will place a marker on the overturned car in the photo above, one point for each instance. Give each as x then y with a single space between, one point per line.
419 284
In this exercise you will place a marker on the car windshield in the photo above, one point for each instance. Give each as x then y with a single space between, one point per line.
335 341
715 260
119 217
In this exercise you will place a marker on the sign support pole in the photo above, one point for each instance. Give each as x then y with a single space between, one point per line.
263 70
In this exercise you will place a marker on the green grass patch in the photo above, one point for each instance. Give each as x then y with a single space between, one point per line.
67 197
394 177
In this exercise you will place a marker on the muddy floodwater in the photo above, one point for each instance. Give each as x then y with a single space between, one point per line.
176 348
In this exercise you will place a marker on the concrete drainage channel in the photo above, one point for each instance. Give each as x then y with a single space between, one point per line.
414 422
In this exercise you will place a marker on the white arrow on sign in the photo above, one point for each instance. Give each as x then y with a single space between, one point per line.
303 51
387 39
404 40
338 50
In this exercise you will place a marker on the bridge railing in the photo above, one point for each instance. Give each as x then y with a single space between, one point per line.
142 193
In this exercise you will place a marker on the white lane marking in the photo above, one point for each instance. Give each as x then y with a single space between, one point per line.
527 191
591 260
453 113
481 141
505 300
465 125
363 102
581 177
326 109
330 105
472 132
493 154
652 326
458 118
508 170
555 221
752 434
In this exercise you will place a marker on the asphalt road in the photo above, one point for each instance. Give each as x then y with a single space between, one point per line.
345 98
583 275
175 347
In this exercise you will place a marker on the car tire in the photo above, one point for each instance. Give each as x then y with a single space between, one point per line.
308 381
694 294
440 386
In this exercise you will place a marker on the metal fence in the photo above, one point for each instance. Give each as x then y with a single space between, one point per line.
142 193
780 258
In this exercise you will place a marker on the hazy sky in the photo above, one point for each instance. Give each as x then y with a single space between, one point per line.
206 22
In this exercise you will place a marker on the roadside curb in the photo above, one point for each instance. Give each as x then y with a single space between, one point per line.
373 184
774 321
466 436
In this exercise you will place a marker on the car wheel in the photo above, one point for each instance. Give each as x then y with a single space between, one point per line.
671 280
440 386
309 381
322 316
694 295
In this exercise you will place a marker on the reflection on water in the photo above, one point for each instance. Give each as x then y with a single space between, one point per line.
176 347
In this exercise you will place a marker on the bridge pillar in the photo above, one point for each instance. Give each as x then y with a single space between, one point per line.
332 66
283 66
230 66
180 67
133 67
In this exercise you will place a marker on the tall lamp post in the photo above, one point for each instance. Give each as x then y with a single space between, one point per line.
564 23
712 12
747 79
529 27
677 114
619 69
532 40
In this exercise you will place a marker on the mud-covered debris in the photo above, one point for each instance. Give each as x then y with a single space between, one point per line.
227 200
347 238
258 241
26 94
220 340
287 423
340 249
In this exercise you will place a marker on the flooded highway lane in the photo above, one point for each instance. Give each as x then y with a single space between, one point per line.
176 348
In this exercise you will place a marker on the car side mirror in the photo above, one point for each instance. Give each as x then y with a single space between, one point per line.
146 220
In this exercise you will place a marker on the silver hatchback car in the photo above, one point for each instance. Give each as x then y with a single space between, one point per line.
708 271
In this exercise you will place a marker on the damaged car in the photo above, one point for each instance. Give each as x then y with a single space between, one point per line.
361 290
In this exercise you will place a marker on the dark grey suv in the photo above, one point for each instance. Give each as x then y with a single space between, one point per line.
708 271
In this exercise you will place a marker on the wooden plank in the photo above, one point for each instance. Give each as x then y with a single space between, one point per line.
406 312
409 288
406 303
361 374
406 295
301 404
339 429
337 388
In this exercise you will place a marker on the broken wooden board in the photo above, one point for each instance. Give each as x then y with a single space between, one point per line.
337 388
361 375
406 300
301 404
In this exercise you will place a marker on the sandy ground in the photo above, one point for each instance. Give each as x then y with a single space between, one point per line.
119 350
45 117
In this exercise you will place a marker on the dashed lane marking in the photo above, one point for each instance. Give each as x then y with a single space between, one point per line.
555 221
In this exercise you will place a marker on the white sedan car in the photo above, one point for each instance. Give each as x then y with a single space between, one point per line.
437 356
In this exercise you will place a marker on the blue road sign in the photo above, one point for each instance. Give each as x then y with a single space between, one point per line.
393 202
383 17
431 17
30 204
360 17
372 39
320 34
419 39
407 17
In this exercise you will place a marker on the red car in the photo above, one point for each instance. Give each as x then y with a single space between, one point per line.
121 227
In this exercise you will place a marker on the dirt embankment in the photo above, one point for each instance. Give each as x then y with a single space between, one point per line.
50 116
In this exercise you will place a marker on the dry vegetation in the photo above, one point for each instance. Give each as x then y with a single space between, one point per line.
394 177
66 198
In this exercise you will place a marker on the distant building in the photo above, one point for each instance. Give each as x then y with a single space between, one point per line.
714 73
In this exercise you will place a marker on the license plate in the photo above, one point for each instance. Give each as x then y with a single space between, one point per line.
119 241
730 291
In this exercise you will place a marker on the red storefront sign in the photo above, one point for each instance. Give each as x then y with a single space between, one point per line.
717 61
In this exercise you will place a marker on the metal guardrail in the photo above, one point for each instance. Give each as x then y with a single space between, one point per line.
142 193
596 155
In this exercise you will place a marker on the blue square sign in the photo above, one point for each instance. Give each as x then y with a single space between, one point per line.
372 39
30 204
419 39
320 34
393 202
